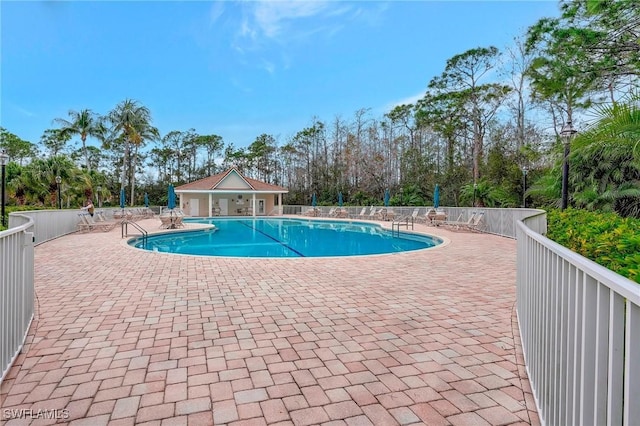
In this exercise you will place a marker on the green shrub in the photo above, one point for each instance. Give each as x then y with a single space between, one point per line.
605 238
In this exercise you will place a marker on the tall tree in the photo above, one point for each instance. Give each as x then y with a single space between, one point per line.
132 123
462 79
213 145
83 123
606 34
18 149
54 141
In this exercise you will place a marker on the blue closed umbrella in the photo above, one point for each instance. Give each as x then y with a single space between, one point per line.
340 199
122 198
387 196
436 196
171 198
146 200
313 200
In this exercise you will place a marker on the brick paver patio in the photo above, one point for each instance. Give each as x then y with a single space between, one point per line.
123 337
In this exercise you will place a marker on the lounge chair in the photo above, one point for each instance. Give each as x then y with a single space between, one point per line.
165 221
439 218
458 223
312 212
100 217
477 224
373 212
332 212
428 216
474 221
362 214
414 215
342 213
88 224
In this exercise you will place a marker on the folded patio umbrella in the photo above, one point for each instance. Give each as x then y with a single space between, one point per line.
172 198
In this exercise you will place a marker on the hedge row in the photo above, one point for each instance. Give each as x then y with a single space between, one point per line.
605 238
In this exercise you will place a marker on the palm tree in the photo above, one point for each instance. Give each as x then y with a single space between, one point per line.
38 180
84 123
131 123
606 161
483 194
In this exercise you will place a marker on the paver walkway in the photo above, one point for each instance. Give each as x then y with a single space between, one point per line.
123 337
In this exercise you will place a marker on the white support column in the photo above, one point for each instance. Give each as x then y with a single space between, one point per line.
210 204
253 204
280 203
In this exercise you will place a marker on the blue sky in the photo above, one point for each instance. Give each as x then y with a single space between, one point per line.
236 69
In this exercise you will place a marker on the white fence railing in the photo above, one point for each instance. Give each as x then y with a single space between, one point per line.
47 224
497 221
580 329
16 289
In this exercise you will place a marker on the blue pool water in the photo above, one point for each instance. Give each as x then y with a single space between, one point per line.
284 237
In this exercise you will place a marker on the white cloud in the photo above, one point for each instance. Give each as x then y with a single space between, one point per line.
268 66
217 8
404 101
22 110
273 16
288 23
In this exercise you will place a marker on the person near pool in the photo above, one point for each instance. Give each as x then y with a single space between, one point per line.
89 208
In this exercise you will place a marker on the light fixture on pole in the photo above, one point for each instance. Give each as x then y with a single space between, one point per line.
525 170
58 182
99 189
4 159
566 133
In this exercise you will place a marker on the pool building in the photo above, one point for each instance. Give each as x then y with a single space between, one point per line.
230 193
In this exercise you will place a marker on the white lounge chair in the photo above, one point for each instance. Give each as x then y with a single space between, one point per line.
414 215
88 224
373 212
474 221
477 224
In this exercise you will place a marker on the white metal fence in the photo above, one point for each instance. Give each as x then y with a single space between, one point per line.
579 322
47 224
497 221
16 288
580 330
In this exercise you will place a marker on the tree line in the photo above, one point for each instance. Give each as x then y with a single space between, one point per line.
487 120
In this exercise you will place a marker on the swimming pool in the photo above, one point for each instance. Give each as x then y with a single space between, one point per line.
284 237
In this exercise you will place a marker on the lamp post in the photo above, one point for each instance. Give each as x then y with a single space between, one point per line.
475 187
58 182
566 133
525 170
4 159
99 189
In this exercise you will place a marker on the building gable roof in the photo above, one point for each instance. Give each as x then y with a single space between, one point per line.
229 180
